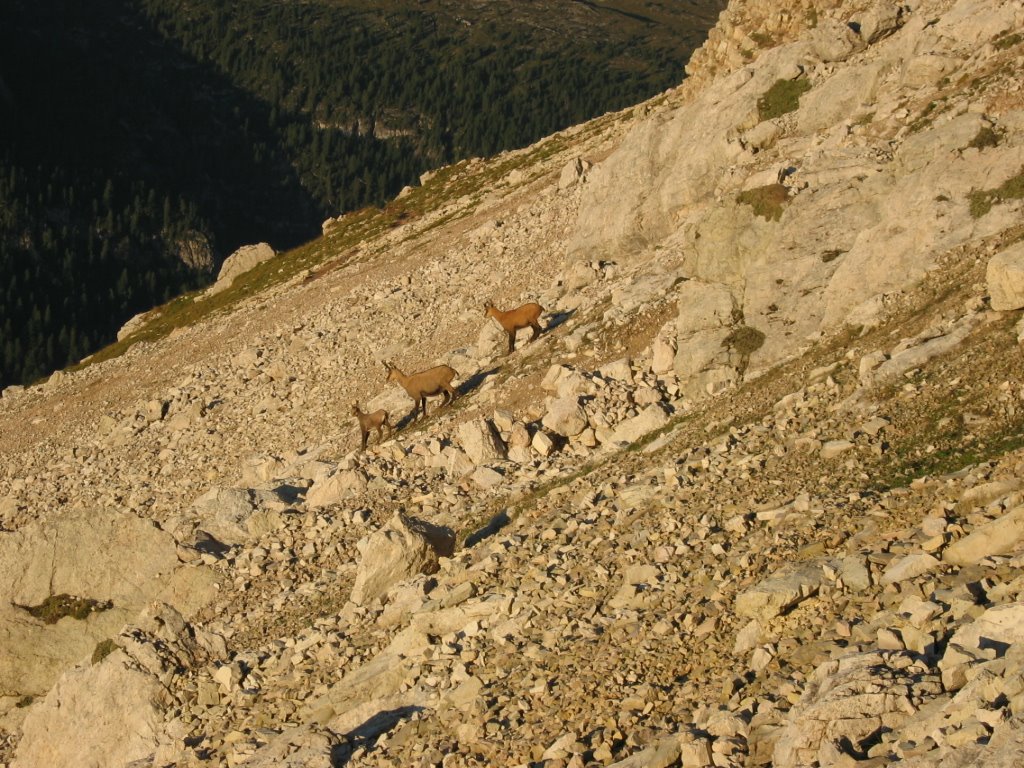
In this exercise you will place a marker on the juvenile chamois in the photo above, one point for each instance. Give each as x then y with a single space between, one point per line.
514 319
367 421
428 383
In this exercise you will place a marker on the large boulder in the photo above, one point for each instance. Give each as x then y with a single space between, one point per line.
97 716
1001 536
481 442
565 416
109 710
330 489
237 515
849 701
239 262
403 548
1005 278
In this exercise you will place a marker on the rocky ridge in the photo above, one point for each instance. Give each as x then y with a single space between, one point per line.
682 528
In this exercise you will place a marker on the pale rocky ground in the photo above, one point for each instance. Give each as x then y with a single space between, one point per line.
634 542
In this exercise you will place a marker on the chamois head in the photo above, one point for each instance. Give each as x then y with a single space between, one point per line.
388 369
488 307
355 408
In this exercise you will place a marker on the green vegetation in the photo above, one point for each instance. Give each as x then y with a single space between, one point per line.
831 255
783 97
981 201
767 201
744 340
1007 40
57 607
985 138
949 456
254 120
103 649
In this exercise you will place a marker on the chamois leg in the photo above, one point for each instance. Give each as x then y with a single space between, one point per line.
536 330
449 394
511 342
380 434
366 436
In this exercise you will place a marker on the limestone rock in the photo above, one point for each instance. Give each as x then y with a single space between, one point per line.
573 173
403 548
97 715
649 419
481 442
1002 535
565 417
850 699
1005 278
239 262
778 593
235 515
333 488
832 40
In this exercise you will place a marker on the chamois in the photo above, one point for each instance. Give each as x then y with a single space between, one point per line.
420 386
367 421
514 319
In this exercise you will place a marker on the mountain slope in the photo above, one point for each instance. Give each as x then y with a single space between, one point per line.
150 139
689 528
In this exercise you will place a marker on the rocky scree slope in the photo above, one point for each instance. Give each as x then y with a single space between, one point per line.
753 499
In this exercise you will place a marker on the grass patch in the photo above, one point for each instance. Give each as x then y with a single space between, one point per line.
981 201
25 701
1007 40
57 607
497 516
831 255
948 459
744 340
767 201
762 39
985 138
103 649
783 97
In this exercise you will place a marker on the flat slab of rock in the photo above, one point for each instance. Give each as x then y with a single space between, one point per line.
97 714
1003 535
779 593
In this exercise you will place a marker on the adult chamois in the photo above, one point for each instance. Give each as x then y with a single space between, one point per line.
514 319
428 383
367 421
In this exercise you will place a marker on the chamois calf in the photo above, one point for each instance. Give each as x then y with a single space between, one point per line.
367 421
428 383
514 319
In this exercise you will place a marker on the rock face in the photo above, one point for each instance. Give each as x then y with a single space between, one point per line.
400 550
1005 276
108 714
864 217
110 710
846 704
114 559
